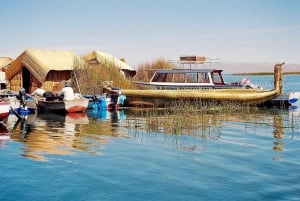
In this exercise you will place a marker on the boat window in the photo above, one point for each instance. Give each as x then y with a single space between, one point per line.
159 77
191 78
217 78
203 78
168 77
179 77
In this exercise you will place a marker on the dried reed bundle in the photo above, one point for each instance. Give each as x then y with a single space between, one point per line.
93 77
238 95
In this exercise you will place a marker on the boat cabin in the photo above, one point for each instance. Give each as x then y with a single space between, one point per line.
188 79
188 76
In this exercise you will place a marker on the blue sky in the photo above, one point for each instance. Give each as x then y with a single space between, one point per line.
143 30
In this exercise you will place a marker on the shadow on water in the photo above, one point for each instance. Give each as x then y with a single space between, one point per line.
47 134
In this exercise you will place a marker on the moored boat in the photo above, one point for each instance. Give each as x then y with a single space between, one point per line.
227 93
109 101
68 106
20 102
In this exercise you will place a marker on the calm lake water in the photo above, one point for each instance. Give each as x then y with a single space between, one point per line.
124 156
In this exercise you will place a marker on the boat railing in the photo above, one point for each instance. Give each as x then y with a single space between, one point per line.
194 63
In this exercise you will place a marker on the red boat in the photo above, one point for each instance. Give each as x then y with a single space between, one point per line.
4 109
68 106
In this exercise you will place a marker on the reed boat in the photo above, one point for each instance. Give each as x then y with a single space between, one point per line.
229 93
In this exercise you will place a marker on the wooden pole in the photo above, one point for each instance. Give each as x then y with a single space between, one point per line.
278 77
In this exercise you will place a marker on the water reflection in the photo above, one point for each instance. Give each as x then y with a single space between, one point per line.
4 133
278 127
107 123
202 125
215 127
44 135
294 116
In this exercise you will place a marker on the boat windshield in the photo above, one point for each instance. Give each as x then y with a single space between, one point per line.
217 78
162 77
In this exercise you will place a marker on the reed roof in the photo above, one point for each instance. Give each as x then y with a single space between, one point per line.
103 58
41 62
4 61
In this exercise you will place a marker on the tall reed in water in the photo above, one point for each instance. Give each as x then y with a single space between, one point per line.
195 118
91 77
145 71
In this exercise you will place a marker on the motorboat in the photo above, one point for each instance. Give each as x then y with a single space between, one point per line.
200 85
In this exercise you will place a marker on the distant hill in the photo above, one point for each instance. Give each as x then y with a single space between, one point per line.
232 67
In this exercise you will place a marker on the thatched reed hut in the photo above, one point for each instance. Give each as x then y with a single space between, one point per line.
4 63
106 59
36 68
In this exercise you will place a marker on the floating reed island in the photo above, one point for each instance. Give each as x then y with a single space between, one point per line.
244 96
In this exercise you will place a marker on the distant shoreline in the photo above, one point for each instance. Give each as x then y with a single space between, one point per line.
267 73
